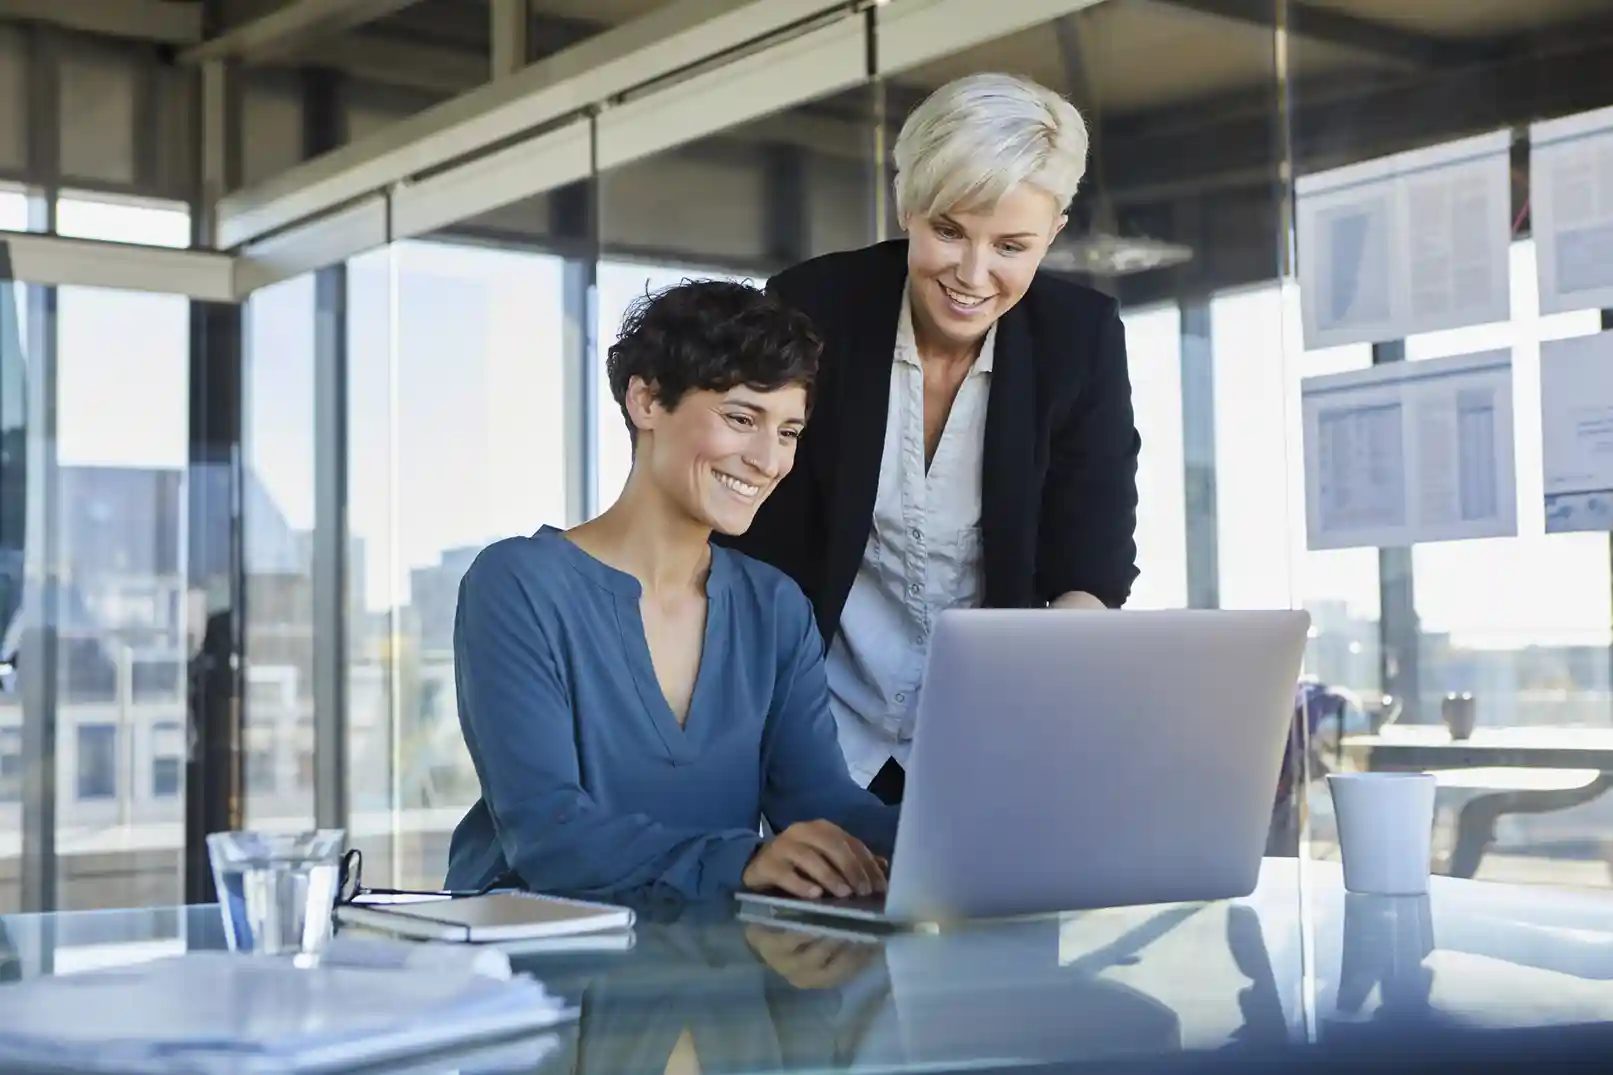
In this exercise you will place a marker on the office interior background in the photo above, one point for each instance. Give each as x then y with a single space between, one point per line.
302 302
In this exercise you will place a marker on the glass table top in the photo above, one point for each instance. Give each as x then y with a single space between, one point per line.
718 988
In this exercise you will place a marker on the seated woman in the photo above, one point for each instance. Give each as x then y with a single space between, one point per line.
636 699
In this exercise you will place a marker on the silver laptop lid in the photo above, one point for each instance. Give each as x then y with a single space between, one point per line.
1066 760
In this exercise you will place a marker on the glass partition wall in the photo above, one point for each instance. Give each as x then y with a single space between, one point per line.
463 370
99 616
1291 210
455 438
1187 259
1452 180
14 341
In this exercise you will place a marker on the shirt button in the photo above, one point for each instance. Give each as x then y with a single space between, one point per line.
915 589
901 699
917 536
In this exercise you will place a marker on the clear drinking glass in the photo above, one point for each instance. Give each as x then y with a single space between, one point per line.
277 891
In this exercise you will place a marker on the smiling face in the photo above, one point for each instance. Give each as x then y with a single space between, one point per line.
966 269
717 455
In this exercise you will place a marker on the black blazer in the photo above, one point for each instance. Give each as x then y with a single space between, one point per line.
1059 491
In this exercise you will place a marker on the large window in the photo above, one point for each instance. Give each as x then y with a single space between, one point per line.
457 404
1154 361
278 519
13 408
123 221
97 762
1520 622
13 210
372 599
1532 643
10 765
167 759
122 411
456 439
1260 485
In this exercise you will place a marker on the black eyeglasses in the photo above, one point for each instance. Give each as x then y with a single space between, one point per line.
350 887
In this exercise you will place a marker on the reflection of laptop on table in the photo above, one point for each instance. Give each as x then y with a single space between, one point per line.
1071 760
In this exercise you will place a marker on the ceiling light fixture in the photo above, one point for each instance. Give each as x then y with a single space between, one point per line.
1100 254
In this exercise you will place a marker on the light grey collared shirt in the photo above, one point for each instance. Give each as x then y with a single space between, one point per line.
922 557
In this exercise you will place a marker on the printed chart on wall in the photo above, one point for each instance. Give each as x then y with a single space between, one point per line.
1576 427
1410 451
1571 210
1416 242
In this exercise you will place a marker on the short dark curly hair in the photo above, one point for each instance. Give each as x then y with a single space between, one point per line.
711 335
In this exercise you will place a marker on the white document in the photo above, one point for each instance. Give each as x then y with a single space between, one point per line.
1410 451
1576 429
1571 210
215 1013
1411 243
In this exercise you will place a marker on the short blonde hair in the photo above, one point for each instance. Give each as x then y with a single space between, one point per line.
977 137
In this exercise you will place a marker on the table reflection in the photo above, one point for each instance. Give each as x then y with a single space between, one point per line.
1387 940
1468 954
699 992
711 988
10 957
704 991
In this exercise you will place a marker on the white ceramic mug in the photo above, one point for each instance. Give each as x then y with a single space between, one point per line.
1386 824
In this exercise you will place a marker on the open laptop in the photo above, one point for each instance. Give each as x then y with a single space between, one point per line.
1068 760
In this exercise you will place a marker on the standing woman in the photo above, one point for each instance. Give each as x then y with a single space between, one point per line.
973 443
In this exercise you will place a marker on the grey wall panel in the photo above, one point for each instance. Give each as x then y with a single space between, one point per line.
13 99
840 205
99 96
372 107
271 121
365 120
175 115
706 209
527 218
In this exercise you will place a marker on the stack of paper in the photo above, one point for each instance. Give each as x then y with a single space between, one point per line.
213 1012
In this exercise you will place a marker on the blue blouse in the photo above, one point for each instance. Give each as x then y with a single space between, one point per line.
589 784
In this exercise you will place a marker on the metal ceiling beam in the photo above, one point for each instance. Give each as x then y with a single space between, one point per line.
51 259
405 55
409 54
388 61
168 22
1329 27
286 28
669 40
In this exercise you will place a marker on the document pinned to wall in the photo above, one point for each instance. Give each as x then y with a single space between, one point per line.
1410 451
1411 243
1576 429
1571 210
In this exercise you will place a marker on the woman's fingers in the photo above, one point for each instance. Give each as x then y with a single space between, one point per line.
814 858
851 860
818 866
